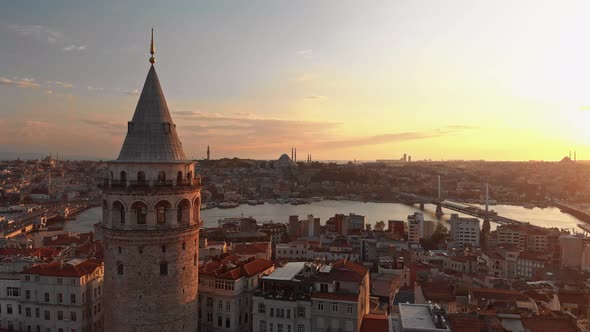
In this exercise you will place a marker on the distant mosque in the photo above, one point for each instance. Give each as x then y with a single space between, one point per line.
285 161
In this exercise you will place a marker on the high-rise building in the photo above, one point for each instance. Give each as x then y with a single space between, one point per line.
464 231
151 222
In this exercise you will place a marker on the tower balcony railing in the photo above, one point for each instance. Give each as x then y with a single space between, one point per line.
147 184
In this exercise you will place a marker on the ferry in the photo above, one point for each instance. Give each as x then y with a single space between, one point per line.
228 205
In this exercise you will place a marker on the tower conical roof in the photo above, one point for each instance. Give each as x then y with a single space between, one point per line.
151 134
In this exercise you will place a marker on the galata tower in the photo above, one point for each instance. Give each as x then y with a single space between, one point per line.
151 222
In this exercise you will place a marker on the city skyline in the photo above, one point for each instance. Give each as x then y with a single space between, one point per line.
436 81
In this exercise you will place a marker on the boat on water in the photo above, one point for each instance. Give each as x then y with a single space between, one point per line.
228 205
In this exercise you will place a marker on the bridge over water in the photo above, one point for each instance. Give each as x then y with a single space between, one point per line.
467 209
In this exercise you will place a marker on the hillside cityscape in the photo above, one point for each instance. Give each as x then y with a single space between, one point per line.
208 236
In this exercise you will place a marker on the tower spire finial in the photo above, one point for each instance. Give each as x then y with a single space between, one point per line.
152 49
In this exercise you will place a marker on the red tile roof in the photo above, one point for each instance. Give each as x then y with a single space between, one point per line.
498 294
234 267
56 269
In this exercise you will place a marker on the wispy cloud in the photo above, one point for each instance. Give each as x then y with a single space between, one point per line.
19 82
134 92
316 97
244 132
38 32
59 84
308 53
93 88
73 47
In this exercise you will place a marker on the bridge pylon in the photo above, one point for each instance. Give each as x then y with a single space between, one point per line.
439 211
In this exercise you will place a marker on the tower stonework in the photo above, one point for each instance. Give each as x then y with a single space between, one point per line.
151 222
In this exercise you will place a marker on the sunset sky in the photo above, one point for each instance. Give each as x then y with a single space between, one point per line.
495 80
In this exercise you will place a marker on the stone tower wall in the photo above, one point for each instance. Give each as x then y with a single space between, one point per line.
139 296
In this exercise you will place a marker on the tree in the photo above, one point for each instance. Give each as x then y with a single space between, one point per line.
438 238
380 225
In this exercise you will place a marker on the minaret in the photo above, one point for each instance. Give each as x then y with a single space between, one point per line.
208 153
292 157
151 221
295 155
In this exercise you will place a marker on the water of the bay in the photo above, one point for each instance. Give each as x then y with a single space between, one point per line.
546 217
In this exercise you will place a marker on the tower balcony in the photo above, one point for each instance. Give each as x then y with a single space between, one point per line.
149 185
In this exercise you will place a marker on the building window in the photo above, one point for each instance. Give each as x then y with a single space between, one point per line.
73 316
335 307
219 321
279 327
164 268
227 322
320 306
28 312
262 325
261 309
46 297
12 291
271 327
300 328
60 297
73 298
47 315
140 177
120 269
209 317
349 309
60 315
60 281
9 309
227 306
220 305
209 302
301 312
37 312
164 248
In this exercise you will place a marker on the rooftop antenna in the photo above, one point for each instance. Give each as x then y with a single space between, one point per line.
152 49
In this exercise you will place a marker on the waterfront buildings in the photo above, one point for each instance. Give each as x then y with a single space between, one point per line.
151 221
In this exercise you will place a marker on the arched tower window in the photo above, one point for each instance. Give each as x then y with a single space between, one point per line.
197 209
118 215
140 210
161 211
189 175
164 268
120 268
123 176
183 211
140 177
179 178
161 177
